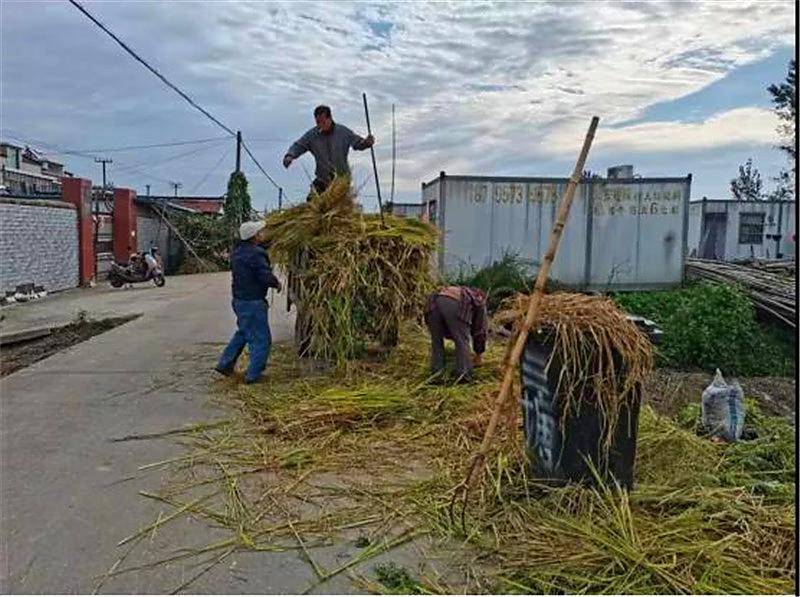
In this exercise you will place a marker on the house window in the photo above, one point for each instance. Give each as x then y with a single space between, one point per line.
751 228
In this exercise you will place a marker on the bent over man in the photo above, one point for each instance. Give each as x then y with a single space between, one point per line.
457 313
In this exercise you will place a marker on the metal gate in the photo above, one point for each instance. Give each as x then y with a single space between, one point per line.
103 229
712 236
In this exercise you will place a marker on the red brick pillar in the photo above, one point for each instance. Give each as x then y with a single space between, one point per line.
78 191
125 231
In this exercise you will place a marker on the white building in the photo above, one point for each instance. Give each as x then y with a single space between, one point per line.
24 171
728 230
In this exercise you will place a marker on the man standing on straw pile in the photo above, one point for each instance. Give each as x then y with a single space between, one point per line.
252 277
457 312
329 143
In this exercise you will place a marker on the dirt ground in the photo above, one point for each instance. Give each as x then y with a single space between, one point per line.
20 355
669 391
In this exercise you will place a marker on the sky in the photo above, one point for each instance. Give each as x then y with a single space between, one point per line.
481 88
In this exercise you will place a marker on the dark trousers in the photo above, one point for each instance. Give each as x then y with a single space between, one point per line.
317 186
443 322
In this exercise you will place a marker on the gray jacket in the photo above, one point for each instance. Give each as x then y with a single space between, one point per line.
329 150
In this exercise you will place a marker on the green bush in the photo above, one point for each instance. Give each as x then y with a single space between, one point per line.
502 279
397 579
712 326
210 238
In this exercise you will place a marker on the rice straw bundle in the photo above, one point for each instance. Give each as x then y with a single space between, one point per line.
357 279
320 465
600 353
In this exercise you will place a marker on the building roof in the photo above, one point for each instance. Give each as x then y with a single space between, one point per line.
31 155
554 180
759 202
163 201
208 206
200 204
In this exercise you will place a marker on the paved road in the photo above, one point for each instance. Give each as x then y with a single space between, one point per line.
63 505
104 301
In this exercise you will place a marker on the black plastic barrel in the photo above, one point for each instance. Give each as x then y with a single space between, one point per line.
568 455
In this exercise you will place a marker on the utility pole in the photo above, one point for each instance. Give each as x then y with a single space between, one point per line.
175 186
280 198
394 156
238 151
102 161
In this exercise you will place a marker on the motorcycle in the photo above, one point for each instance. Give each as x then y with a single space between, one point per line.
133 273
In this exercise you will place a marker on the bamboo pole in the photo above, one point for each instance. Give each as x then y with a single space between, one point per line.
186 243
374 164
530 319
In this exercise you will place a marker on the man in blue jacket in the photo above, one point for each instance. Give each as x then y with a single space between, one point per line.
252 277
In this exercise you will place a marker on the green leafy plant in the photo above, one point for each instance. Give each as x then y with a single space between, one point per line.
712 326
238 207
396 578
210 238
501 280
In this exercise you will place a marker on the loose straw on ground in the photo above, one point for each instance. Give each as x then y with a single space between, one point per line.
528 322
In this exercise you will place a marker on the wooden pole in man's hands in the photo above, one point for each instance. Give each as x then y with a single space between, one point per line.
374 166
530 320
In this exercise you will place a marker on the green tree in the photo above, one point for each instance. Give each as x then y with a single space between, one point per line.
238 207
784 100
784 191
747 186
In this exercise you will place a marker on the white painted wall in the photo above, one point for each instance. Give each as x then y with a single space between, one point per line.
779 218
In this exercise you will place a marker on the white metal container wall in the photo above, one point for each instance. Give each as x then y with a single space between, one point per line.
621 234
779 218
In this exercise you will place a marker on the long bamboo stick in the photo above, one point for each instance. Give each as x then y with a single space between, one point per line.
530 317
374 164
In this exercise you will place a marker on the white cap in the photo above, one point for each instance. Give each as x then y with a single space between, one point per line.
249 229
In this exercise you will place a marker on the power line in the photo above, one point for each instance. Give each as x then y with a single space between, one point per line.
53 149
56 150
269 140
122 168
152 146
158 162
211 171
144 63
255 161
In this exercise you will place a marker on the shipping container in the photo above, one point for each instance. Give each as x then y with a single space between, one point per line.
622 233
729 230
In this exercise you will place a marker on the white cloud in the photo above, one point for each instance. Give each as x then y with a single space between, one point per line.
477 85
739 127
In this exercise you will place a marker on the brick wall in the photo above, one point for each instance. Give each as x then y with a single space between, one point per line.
38 244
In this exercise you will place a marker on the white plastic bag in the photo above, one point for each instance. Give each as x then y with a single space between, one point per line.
723 409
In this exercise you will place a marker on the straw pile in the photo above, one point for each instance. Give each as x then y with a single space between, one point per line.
598 353
357 280
361 461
